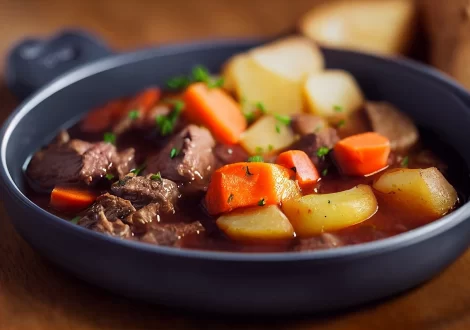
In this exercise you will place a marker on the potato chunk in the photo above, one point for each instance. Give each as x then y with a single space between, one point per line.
273 74
333 94
266 135
318 213
422 193
383 27
256 223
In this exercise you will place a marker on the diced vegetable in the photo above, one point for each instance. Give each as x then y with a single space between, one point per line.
247 184
268 74
71 199
101 118
318 213
256 223
216 110
362 154
423 193
328 91
305 171
384 26
268 133
142 102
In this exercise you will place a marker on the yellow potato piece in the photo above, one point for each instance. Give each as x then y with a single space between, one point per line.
273 74
268 135
384 27
256 223
423 194
318 213
333 94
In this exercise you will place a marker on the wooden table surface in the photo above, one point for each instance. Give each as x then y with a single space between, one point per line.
36 295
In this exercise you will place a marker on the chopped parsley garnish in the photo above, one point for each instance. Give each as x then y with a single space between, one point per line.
134 114
278 129
200 74
137 170
75 219
166 124
337 108
256 159
322 152
324 172
260 106
249 116
259 150
262 202
156 177
329 202
174 152
341 123
270 147
109 137
286 120
109 176
248 171
404 162
230 198
179 82
217 83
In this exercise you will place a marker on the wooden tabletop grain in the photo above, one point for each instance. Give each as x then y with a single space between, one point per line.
37 295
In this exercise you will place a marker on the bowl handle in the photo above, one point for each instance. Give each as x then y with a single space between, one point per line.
34 62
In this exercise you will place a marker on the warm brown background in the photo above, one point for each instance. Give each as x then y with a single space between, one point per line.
36 295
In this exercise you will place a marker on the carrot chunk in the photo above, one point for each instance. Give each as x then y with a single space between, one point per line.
249 184
306 173
71 199
99 119
142 103
362 154
216 110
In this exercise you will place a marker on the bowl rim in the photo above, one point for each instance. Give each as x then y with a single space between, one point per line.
350 251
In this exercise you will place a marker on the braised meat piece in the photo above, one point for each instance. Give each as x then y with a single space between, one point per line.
123 162
311 144
187 157
106 215
305 123
140 191
171 234
228 154
390 122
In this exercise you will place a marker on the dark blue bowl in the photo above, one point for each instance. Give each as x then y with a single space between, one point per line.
276 283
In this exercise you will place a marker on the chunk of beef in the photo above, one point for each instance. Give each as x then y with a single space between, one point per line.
140 219
143 121
323 241
192 159
311 143
227 154
171 234
388 121
106 215
304 124
123 162
141 191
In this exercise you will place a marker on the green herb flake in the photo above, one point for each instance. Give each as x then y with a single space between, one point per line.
137 170
134 114
286 120
109 137
178 82
109 176
156 177
324 172
216 83
341 123
259 150
322 152
262 202
166 124
404 162
178 105
278 129
338 108
248 171
260 106
174 152
75 219
270 147
329 202
256 159
230 198
249 116
200 74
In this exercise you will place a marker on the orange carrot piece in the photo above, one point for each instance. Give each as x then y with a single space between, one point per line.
216 110
249 184
362 154
101 118
142 102
71 199
306 173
